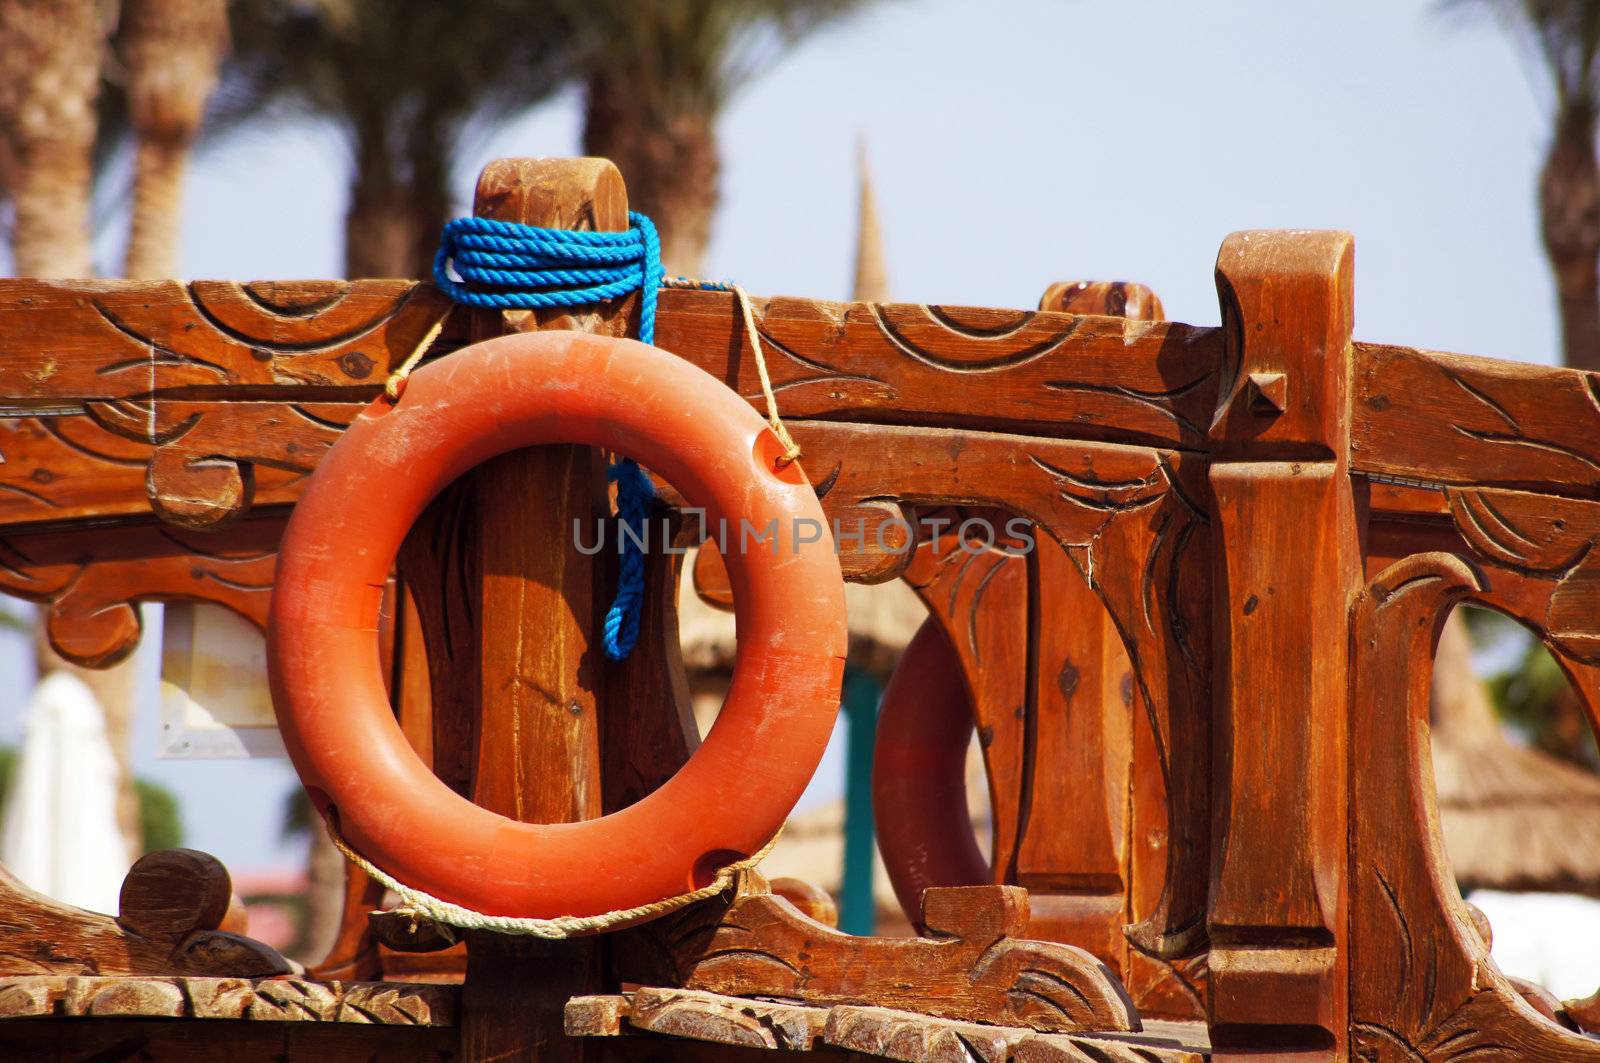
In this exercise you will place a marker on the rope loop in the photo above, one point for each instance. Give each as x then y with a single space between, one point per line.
505 265
791 449
418 905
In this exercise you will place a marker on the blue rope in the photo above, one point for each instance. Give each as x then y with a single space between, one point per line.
505 265
635 493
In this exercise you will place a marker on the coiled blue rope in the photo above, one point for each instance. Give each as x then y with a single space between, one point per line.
505 265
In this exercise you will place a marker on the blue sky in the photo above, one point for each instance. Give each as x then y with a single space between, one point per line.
1015 143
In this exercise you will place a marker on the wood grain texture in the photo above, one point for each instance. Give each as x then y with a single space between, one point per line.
1447 418
120 340
1286 570
1217 499
92 577
1113 510
146 362
1077 713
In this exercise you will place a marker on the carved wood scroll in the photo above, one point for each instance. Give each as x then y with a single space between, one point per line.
976 965
218 394
92 577
1422 984
1049 682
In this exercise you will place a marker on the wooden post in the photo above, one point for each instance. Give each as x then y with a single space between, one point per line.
1287 571
513 611
538 738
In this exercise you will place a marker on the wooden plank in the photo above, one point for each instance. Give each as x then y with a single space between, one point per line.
127 339
305 349
1448 418
1142 382
1108 378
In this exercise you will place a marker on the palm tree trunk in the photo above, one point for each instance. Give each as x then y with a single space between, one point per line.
380 238
399 202
159 170
49 78
1569 215
669 158
172 50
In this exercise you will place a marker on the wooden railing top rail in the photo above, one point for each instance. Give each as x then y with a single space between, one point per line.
107 384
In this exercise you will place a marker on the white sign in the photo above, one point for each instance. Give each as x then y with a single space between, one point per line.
214 697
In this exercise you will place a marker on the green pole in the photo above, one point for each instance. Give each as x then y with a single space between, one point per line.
857 909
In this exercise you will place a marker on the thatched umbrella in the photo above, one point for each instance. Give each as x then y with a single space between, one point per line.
1514 818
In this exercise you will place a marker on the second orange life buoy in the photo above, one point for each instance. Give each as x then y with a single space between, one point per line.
919 764
518 391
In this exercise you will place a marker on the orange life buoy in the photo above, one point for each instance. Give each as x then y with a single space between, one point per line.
341 541
919 780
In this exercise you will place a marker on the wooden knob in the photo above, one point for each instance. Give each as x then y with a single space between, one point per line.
174 892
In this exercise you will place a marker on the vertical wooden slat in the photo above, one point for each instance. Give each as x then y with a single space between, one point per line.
1073 856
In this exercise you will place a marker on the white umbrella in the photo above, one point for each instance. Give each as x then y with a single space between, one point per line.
60 832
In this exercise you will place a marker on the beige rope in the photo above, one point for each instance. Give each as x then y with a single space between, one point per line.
791 449
396 384
419 905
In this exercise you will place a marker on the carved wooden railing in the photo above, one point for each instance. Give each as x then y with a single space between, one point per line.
1249 536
